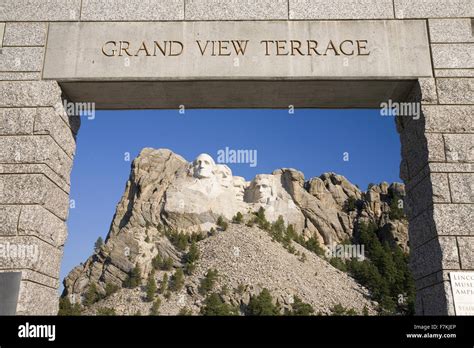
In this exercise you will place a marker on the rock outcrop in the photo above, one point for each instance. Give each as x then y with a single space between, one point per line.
165 191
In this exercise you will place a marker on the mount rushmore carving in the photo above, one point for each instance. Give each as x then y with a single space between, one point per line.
166 190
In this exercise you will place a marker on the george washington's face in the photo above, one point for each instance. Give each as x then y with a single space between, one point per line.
203 166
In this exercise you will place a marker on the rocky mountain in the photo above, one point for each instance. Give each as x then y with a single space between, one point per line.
171 206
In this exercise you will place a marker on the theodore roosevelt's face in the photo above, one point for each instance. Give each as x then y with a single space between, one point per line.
203 166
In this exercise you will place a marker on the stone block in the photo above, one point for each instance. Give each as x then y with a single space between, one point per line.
69 54
414 146
436 300
35 168
454 219
37 299
451 30
48 121
452 167
198 10
437 254
36 149
26 252
34 276
454 72
34 189
453 56
341 9
34 220
29 93
9 219
25 34
432 189
132 10
462 187
449 119
432 279
17 121
2 30
456 90
435 147
21 59
434 8
428 91
20 76
40 10
466 252
459 147
421 229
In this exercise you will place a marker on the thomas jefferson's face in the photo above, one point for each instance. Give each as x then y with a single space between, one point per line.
203 166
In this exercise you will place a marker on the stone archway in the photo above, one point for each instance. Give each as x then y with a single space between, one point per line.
308 54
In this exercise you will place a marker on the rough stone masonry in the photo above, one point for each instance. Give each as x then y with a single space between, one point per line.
37 138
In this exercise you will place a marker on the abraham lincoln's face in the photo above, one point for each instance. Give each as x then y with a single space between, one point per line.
261 190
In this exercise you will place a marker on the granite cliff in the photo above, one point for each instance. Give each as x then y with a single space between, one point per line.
170 206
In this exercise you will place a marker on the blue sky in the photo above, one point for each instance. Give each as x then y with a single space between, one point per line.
311 140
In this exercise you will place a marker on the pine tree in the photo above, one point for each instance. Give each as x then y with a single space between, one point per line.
193 253
238 218
214 306
155 308
177 280
151 287
164 284
67 308
262 304
222 223
134 278
98 244
110 289
208 282
91 295
300 308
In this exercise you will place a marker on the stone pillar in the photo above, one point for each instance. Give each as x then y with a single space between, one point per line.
438 170
438 154
37 142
